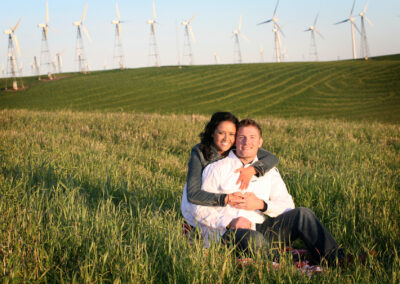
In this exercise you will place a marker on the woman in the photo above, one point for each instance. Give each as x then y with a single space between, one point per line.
217 139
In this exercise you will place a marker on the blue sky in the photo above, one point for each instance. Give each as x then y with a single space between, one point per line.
213 26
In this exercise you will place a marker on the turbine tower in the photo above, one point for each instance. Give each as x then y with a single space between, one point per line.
216 58
59 61
261 53
237 54
313 30
153 50
364 41
12 60
353 25
118 50
80 54
276 29
45 57
187 46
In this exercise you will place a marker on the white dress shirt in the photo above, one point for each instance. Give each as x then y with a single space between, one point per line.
220 177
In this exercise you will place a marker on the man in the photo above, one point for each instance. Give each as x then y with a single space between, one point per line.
243 221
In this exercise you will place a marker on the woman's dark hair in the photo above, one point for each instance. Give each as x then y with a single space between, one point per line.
207 135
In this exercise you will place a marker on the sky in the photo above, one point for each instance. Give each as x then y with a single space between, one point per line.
213 25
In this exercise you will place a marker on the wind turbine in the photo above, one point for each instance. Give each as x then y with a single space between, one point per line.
118 51
364 41
276 29
80 55
353 25
237 55
153 50
216 58
313 29
3 71
59 61
187 46
261 53
12 60
45 57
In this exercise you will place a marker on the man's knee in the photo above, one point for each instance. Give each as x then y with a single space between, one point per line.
245 240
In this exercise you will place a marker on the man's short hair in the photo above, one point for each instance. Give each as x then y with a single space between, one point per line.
250 122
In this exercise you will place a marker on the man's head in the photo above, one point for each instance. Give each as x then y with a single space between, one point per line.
248 140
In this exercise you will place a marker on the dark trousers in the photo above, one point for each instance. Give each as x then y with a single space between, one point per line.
297 223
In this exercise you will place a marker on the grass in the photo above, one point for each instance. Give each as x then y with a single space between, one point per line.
95 197
352 90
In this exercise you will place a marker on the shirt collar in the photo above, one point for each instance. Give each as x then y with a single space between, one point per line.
232 155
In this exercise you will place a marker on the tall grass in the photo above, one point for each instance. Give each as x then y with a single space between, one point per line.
92 197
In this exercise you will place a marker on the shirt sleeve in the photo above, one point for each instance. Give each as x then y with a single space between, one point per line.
266 161
194 193
279 199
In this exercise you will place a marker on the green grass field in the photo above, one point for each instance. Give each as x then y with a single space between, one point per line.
352 90
93 197
92 168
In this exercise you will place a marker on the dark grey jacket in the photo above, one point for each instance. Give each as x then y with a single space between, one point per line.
198 162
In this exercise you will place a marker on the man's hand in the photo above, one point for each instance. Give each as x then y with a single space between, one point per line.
248 201
245 176
239 223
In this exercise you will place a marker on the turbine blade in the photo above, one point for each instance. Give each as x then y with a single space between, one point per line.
276 7
118 16
54 30
366 7
16 26
191 33
265 22
192 18
307 30
369 21
47 12
315 21
358 30
317 31
86 33
17 44
344 21
244 37
352 9
119 31
280 30
154 10
84 13
240 23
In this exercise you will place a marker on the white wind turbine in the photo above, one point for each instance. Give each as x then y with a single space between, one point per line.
3 71
364 41
313 29
237 54
187 46
45 57
276 29
80 55
153 50
216 58
261 53
12 59
353 25
59 61
118 50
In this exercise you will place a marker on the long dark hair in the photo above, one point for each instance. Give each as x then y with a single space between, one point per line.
207 135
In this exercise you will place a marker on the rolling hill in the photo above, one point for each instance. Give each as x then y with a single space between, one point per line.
351 90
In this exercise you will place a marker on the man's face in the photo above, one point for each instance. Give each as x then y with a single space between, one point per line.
248 140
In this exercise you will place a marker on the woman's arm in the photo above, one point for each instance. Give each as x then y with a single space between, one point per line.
266 161
194 193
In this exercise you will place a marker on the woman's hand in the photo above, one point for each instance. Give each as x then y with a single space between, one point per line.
247 201
245 176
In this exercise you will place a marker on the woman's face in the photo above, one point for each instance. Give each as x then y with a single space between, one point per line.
224 136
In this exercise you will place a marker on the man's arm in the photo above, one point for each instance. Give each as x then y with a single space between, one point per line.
279 198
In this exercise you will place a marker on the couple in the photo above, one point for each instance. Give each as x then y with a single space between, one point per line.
235 194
